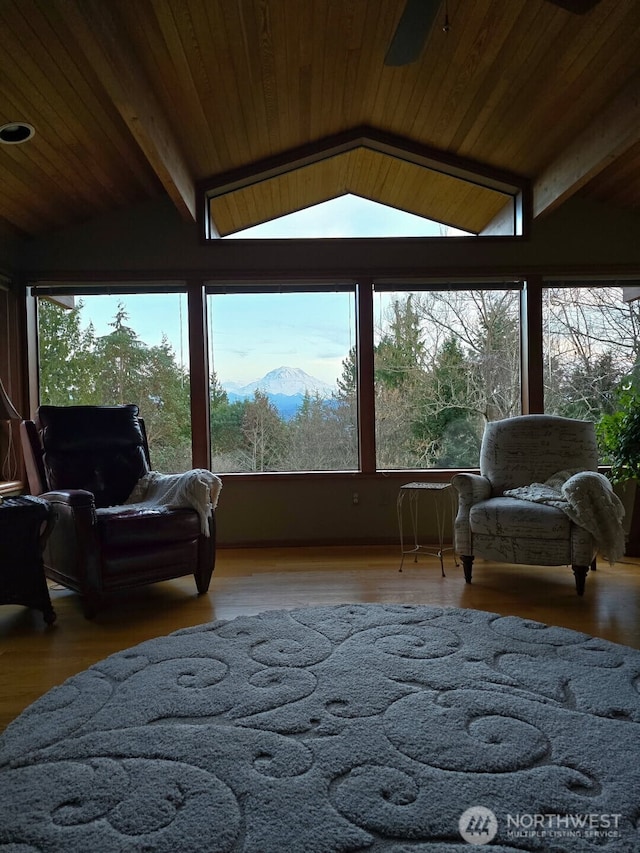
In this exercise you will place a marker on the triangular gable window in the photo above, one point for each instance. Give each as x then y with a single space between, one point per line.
367 164
348 216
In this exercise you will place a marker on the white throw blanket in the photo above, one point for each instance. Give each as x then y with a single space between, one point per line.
197 488
589 501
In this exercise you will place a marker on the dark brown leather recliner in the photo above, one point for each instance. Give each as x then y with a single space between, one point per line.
83 459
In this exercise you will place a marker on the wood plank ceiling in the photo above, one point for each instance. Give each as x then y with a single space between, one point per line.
134 98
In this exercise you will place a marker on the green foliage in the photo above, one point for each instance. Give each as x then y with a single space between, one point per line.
67 359
123 361
226 426
431 406
348 380
264 434
399 357
217 394
226 432
459 443
448 383
446 363
468 389
323 435
585 390
493 353
166 407
79 368
619 435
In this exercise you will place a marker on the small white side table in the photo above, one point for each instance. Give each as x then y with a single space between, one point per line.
414 490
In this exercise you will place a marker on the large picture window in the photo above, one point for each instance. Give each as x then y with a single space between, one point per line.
285 362
283 384
123 348
445 363
591 347
591 341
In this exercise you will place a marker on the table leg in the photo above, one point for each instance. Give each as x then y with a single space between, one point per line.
414 497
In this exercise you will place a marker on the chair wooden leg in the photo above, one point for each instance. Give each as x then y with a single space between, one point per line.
90 605
467 566
203 579
206 558
580 574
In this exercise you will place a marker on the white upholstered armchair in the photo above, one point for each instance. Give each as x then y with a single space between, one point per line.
517 452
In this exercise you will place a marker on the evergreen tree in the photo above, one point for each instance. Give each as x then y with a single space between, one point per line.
496 353
227 438
67 362
124 368
347 383
264 434
164 402
320 438
400 355
76 368
448 430
342 416
217 395
399 371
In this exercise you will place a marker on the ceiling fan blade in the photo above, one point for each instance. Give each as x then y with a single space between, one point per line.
411 33
578 7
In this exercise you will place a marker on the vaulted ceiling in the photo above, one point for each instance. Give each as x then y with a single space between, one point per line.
131 99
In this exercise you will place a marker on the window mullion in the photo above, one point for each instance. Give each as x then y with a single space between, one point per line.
531 357
366 392
199 376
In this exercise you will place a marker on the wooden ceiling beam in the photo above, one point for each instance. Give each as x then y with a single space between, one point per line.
402 148
613 132
103 41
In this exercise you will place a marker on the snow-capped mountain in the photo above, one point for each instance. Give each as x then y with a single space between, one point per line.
289 381
285 387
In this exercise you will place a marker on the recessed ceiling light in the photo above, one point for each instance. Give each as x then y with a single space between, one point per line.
16 132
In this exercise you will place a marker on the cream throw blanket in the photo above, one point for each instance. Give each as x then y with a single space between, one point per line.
589 501
197 488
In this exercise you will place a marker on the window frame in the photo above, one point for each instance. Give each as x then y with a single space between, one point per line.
196 283
458 283
340 285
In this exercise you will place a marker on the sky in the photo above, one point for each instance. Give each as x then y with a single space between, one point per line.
347 216
256 333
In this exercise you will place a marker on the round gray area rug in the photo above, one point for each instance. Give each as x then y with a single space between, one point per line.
326 729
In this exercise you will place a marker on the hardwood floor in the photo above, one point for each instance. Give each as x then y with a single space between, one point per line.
34 658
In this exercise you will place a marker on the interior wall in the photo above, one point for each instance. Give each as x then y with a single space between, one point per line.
12 372
153 238
11 244
343 508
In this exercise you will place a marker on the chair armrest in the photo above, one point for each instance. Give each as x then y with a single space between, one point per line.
72 552
471 489
76 498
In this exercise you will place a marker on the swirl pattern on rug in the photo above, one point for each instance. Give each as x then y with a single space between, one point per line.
327 729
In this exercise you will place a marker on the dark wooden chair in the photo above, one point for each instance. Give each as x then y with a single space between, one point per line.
85 461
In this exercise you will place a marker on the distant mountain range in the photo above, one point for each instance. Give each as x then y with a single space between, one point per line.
285 387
